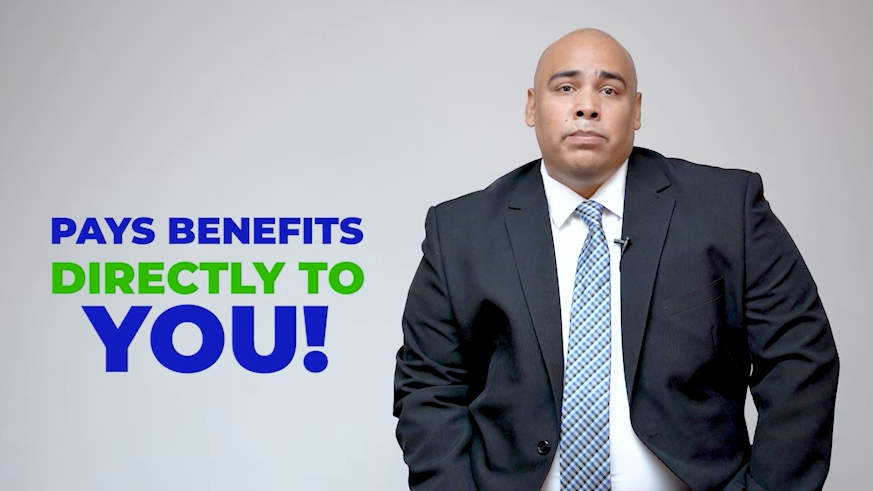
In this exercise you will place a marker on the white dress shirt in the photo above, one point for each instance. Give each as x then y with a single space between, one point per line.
633 466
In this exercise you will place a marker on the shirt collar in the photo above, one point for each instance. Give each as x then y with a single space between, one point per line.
563 200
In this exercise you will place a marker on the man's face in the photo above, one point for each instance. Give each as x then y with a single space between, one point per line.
585 109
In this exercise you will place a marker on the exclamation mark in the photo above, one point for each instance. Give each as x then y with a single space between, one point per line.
315 319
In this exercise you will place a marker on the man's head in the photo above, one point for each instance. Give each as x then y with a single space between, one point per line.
585 108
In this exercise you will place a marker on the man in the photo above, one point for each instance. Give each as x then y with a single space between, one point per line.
593 320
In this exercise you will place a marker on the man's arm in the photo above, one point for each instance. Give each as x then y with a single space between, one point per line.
430 388
794 359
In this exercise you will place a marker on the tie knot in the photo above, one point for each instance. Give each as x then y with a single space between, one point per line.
591 212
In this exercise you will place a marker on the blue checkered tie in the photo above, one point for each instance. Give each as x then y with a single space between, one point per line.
585 407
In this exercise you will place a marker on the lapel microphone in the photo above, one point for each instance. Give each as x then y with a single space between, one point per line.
623 243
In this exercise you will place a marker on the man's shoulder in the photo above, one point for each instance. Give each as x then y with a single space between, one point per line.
687 177
495 197
686 169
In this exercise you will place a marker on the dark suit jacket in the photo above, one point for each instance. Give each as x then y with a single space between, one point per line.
715 298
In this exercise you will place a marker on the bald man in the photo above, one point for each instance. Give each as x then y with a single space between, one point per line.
593 319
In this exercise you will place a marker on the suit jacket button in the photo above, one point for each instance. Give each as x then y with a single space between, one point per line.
543 447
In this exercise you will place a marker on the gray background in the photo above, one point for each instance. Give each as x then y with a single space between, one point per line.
370 109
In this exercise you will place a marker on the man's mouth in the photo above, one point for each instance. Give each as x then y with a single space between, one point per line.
585 137
585 133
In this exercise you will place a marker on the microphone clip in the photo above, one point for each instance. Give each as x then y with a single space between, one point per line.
623 243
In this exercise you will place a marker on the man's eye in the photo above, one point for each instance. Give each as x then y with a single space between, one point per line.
609 90
565 88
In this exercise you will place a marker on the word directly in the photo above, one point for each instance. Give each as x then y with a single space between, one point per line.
212 230
181 277
117 338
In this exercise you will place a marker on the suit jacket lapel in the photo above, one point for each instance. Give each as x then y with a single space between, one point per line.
530 236
648 209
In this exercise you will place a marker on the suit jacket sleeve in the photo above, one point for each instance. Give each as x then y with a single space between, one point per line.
794 359
430 387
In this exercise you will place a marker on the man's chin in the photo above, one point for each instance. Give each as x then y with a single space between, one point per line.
577 170
588 165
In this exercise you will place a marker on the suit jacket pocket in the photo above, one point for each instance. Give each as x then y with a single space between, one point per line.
687 336
694 298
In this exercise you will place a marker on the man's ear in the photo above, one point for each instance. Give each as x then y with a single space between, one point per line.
529 108
638 102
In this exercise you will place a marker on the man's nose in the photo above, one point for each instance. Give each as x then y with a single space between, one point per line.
587 108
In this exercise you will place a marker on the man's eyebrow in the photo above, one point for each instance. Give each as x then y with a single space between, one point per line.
565 74
601 74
